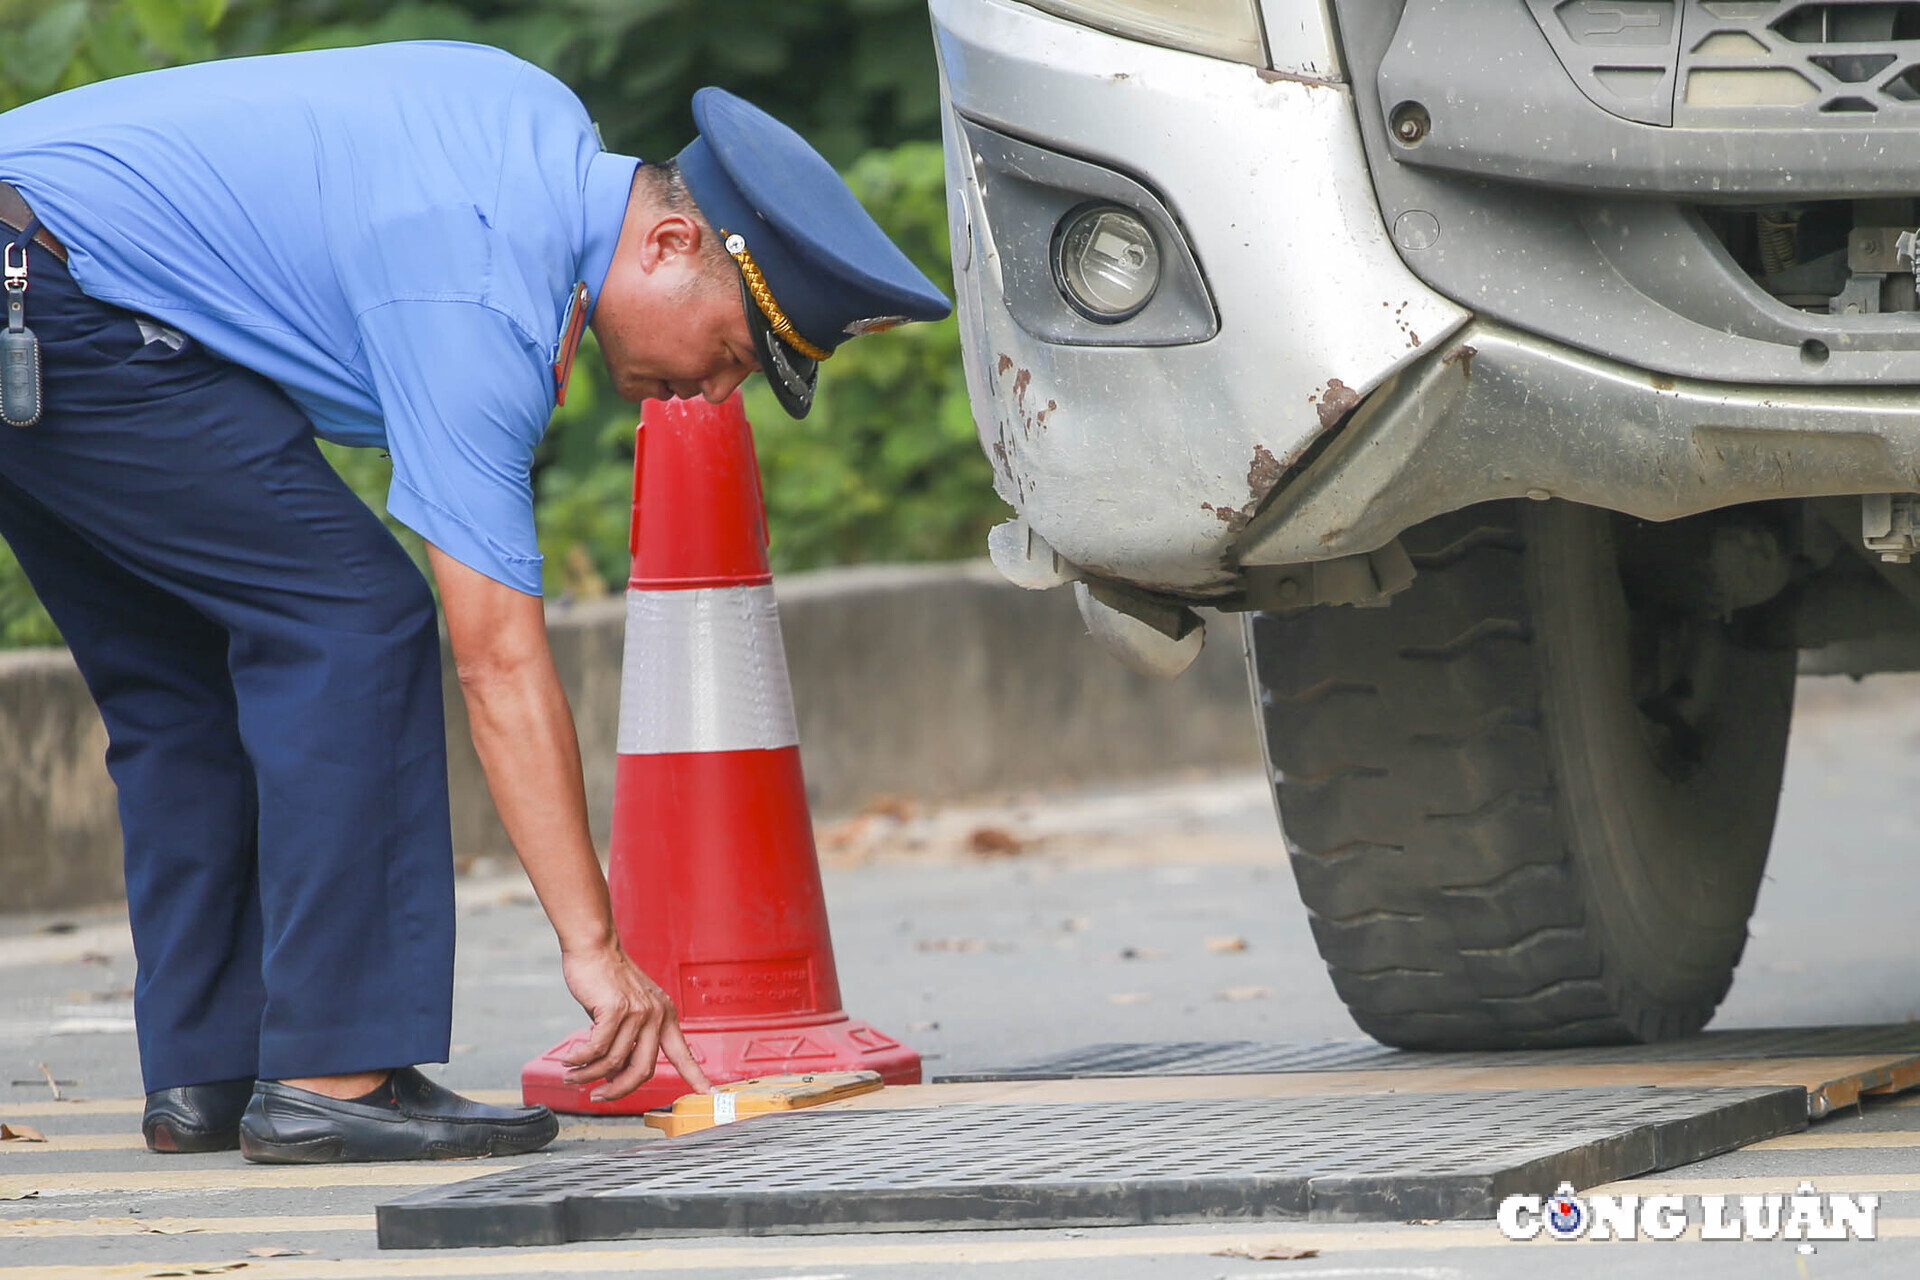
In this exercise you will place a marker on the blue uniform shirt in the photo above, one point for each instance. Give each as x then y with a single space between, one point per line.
391 234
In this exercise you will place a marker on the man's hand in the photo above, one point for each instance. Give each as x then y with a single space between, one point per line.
633 1023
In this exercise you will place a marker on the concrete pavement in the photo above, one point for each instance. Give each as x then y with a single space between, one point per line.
983 935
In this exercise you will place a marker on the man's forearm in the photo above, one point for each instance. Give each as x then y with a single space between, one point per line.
523 730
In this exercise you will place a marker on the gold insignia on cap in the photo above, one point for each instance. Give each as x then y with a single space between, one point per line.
874 324
763 298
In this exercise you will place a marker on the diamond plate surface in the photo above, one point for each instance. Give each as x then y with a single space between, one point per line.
964 1167
1251 1057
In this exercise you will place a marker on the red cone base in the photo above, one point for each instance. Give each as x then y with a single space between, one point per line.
742 1054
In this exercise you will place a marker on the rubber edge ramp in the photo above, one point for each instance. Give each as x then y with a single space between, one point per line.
1252 1057
1336 1158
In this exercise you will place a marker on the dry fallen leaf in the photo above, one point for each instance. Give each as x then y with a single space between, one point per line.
877 828
1273 1252
166 1229
1231 942
20 1133
1246 993
923 1026
842 835
200 1269
994 842
274 1251
6 1194
899 808
1129 997
95 957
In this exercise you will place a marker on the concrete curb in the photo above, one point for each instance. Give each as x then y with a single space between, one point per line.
59 813
932 681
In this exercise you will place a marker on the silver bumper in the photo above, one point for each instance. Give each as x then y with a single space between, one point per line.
1146 463
1495 413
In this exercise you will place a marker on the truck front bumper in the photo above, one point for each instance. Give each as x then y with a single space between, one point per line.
1147 461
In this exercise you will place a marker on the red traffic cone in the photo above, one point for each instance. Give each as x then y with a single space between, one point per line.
716 886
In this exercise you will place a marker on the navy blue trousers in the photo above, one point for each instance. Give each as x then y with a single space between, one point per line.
267 661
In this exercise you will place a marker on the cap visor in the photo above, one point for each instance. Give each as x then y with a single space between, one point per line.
791 375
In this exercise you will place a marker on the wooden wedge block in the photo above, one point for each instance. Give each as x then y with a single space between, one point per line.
743 1098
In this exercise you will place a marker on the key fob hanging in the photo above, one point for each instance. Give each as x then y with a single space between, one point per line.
19 349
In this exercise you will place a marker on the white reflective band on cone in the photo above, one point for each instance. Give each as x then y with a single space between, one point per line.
704 670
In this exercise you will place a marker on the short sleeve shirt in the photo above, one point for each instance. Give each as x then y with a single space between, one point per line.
392 234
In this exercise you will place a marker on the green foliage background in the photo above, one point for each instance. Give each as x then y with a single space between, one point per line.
885 468
850 74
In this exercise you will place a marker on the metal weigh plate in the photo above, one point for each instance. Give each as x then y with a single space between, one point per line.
1252 1057
1384 1157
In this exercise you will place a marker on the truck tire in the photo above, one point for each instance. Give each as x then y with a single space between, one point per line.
1521 810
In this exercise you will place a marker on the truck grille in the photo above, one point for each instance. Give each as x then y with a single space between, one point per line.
1713 63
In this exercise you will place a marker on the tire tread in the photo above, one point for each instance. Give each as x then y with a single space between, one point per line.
1419 816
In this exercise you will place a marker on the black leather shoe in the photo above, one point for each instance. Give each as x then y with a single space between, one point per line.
196 1117
413 1119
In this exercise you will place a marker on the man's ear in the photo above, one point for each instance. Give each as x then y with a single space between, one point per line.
673 236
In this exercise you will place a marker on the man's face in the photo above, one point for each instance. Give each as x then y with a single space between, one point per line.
670 319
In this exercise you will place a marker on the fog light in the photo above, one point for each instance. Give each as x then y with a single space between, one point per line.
1105 262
